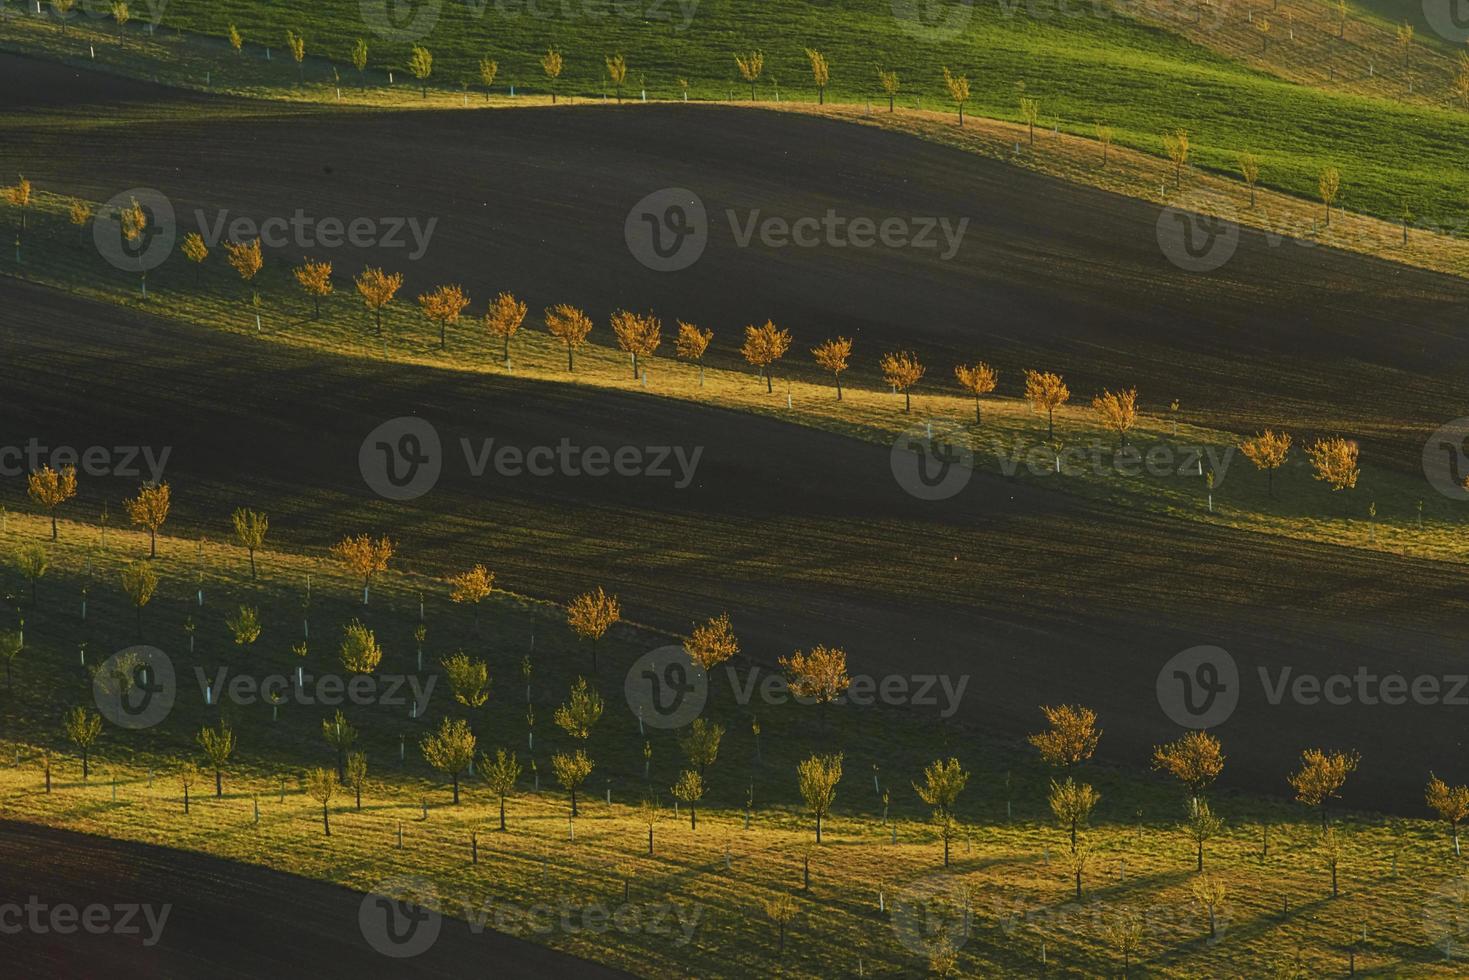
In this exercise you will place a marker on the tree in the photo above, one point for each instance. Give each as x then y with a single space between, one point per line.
359 62
617 73
149 510
817 777
1124 933
1030 111
1047 391
820 73
364 557
580 712
820 675
958 86
251 527
832 357
1321 777
1267 451
377 289
297 46
341 736
442 305
1405 41
504 318
11 645
1335 462
450 750
356 775
1117 412
79 212
49 489
1329 187
978 379
1451 803
591 615
1105 134
140 584
473 587
1176 145
1249 169
890 83
700 744
764 346
637 334
1262 27
468 679
571 770
712 642
1072 737
1330 847
942 784
501 776
315 279
247 260
1202 825
236 41
321 785
1195 760
133 221
690 789
1071 803
569 325
82 728
421 64
359 651
195 251
691 344
244 626
19 196
650 813
751 66
188 776
488 69
1210 892
218 745
552 64
32 562
782 911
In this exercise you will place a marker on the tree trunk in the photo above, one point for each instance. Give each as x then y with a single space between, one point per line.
650 841
1200 865
839 387
326 822
768 383
86 766
818 828
455 779
152 544
53 525
693 816
502 813
976 410
569 365
907 401
186 800
573 801
218 784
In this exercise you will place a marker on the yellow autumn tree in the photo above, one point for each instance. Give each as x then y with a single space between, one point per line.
591 615
1072 737
503 319
570 326
1328 185
49 489
246 259
638 334
364 557
617 73
902 370
1335 462
472 587
1044 390
691 345
890 83
978 379
1176 145
820 73
421 64
958 86
377 289
832 357
820 674
1268 451
149 510
442 305
712 642
315 279
1117 412
195 251
552 64
1321 777
751 66
764 346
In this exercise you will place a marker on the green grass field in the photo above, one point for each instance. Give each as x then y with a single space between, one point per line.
1397 911
1140 79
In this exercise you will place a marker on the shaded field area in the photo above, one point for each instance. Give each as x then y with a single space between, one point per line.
1046 275
217 917
803 536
